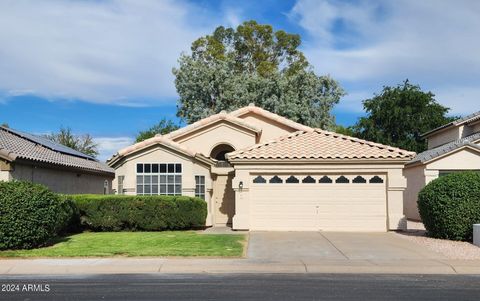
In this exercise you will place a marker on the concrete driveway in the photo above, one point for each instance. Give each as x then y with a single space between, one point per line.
334 246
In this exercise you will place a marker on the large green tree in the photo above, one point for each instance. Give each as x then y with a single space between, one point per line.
253 64
164 126
81 143
399 115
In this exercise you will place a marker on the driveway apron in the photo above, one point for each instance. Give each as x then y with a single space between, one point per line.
334 246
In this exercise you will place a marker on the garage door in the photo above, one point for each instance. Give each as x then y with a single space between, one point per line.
318 202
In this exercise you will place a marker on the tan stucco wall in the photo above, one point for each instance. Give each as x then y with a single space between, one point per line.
395 185
4 175
270 129
415 182
419 176
445 136
161 154
61 181
461 160
204 140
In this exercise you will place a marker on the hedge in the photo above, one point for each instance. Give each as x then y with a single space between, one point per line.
139 213
450 205
31 215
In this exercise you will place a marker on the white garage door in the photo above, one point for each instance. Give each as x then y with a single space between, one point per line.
318 202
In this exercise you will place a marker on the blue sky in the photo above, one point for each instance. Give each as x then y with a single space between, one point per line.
104 67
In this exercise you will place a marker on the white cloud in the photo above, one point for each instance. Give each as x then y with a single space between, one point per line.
232 17
108 146
353 101
113 51
368 44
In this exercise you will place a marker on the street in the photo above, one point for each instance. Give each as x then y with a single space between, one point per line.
241 287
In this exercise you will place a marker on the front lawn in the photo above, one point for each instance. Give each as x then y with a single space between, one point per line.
168 243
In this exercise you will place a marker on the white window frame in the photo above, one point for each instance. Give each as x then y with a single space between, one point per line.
169 182
200 188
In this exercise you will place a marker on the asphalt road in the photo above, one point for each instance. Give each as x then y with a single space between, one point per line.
241 287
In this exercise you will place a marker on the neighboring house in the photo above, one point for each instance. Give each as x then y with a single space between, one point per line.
452 147
36 159
259 171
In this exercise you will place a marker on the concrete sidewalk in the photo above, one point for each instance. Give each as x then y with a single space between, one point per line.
274 252
169 265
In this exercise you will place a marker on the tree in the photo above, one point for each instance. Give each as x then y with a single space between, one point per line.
81 143
399 115
253 64
163 127
344 130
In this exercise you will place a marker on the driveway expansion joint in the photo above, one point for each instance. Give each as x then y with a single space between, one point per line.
304 266
333 245
447 264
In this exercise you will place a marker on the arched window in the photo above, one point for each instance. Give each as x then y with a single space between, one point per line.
291 180
275 180
259 180
376 180
359 180
325 180
308 179
219 151
342 180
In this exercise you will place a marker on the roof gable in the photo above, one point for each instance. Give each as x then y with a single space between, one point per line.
437 152
157 140
320 144
209 121
252 109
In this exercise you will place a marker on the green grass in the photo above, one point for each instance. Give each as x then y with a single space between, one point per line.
168 243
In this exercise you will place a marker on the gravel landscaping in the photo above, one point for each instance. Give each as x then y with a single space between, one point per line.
448 248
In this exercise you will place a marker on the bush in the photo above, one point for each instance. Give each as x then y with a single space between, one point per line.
31 215
450 205
140 213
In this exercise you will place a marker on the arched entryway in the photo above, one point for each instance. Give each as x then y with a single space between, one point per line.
219 151
224 196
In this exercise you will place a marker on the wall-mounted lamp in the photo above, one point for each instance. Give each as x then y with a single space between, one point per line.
240 185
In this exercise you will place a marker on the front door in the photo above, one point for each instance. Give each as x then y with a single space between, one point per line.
224 200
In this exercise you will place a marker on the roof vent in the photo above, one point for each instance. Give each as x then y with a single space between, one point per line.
251 104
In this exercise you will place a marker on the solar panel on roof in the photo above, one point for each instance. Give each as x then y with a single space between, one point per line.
50 144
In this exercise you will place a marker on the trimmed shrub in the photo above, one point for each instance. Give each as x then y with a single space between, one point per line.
450 205
140 213
31 215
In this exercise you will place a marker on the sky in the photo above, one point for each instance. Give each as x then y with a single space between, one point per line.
103 67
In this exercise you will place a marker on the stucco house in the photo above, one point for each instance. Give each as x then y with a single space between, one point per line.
28 157
452 147
260 171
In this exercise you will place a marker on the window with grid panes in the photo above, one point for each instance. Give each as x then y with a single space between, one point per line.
159 179
200 187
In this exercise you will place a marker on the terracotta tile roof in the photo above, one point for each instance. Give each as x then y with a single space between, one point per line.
149 142
436 152
320 144
209 120
257 110
18 145
158 139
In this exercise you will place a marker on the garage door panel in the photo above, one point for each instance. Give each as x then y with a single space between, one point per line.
315 206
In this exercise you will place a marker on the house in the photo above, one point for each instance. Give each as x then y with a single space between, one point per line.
452 147
32 158
260 171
